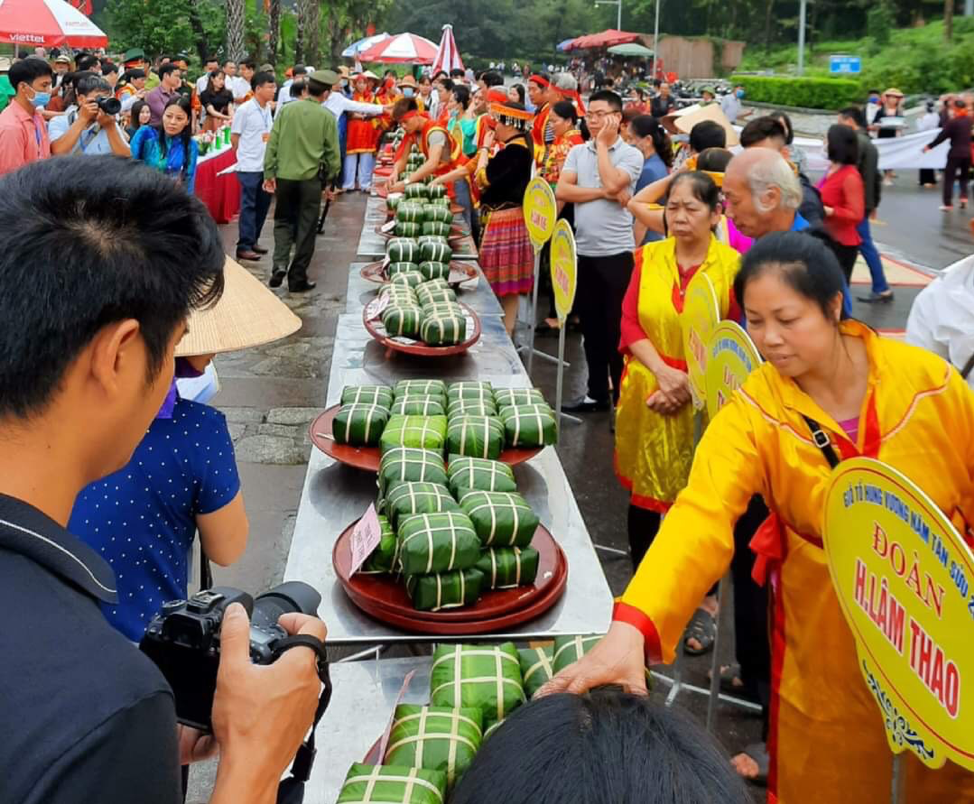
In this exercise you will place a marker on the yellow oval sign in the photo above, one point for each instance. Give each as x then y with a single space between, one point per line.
905 580
700 316
731 356
540 211
564 269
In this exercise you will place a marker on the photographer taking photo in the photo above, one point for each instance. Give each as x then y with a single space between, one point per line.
89 126
96 283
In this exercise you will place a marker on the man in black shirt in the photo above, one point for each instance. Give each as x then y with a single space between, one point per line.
96 281
663 103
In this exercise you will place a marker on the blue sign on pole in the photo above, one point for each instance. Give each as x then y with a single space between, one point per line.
845 65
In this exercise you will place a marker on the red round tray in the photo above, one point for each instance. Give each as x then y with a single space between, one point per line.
422 349
382 170
368 457
456 233
384 597
374 271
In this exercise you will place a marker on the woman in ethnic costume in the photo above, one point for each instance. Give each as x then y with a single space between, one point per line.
506 254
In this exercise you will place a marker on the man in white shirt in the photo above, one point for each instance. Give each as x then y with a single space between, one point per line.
238 87
338 104
249 133
212 63
300 72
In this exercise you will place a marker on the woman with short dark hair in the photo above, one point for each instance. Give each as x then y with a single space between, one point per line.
843 196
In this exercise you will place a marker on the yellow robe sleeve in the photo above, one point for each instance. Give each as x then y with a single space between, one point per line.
696 540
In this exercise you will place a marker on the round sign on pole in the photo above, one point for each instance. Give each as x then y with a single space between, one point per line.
904 579
540 211
564 269
731 356
699 318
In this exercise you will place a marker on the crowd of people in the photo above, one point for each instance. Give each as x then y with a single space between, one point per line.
654 209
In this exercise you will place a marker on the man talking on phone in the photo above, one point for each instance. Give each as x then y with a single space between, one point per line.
599 178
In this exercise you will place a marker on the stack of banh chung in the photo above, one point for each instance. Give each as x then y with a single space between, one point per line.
472 689
451 530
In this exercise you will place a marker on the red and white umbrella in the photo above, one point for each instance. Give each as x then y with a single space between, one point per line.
47 23
447 55
404 48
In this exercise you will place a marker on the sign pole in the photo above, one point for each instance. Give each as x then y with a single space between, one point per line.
559 376
534 311
801 37
898 794
564 280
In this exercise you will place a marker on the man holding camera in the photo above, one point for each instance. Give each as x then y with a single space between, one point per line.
88 348
90 126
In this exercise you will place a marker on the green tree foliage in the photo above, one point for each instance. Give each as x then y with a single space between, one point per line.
166 26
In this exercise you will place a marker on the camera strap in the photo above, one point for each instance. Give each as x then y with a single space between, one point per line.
291 790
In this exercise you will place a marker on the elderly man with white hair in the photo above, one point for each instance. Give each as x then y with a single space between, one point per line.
763 194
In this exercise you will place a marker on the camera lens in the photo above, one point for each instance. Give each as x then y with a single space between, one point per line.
110 105
286 597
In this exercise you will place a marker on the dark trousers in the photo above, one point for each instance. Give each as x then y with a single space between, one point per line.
928 176
752 642
847 259
956 165
602 284
296 223
254 204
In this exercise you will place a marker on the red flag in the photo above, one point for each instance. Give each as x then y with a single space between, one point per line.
370 30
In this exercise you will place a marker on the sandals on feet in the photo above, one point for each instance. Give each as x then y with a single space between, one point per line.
702 628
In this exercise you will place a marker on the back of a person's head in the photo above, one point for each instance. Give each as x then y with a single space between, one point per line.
842 145
855 114
707 134
714 160
492 78
605 747
297 88
764 130
98 240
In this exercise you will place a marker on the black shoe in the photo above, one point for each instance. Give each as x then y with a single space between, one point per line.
303 287
261 250
277 278
248 255
587 405
876 298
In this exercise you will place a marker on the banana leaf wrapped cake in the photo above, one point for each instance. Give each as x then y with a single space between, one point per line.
391 784
487 677
430 294
475 436
464 474
500 518
443 329
424 387
507 567
434 309
569 649
418 406
447 590
403 320
410 278
401 464
471 407
359 424
529 426
431 543
537 668
434 270
380 395
384 558
403 249
481 391
396 268
406 499
511 397
435 738
420 432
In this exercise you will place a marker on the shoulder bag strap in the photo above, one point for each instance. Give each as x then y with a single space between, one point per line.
822 441
964 372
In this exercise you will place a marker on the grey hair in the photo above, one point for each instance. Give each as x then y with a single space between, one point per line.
564 81
774 173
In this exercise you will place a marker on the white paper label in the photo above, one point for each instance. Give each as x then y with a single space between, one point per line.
388 227
376 307
384 742
365 538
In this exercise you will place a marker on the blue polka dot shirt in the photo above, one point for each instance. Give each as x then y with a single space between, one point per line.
142 519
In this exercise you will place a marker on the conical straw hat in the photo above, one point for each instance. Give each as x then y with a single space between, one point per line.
246 315
685 119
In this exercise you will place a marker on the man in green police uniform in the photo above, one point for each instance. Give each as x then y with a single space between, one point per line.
302 157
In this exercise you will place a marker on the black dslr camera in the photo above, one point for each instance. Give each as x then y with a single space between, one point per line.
109 105
184 640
